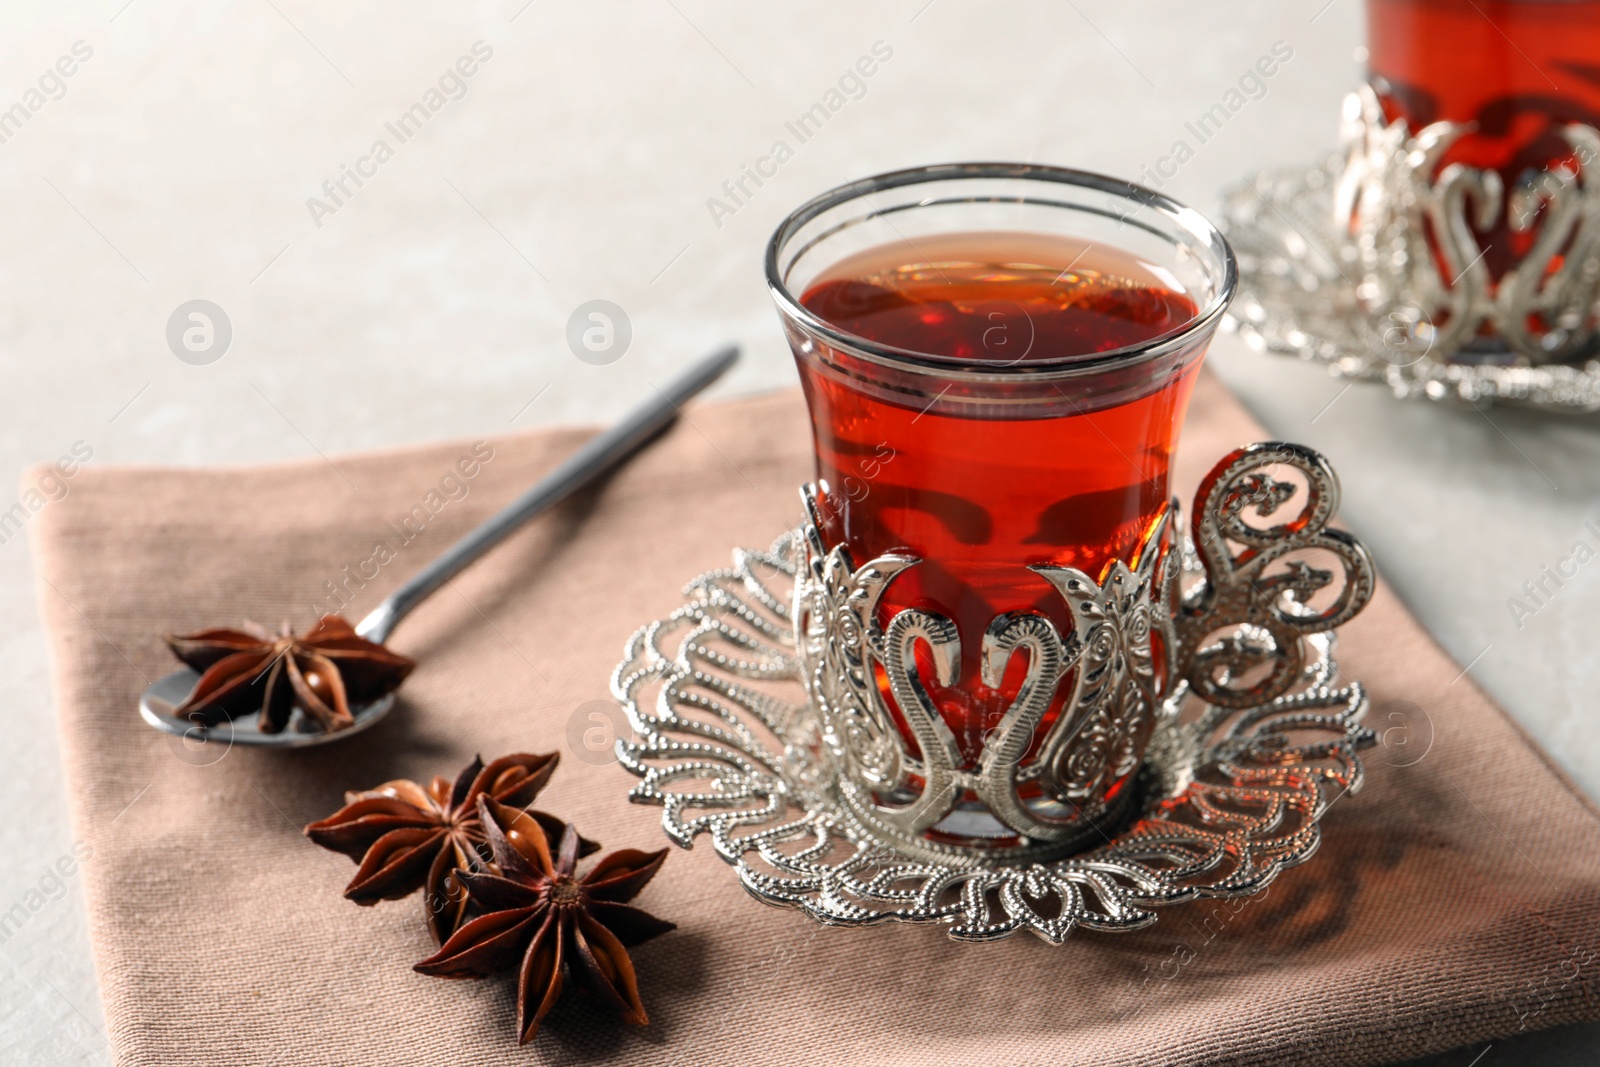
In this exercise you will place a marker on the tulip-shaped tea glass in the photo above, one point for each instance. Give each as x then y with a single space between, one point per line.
997 359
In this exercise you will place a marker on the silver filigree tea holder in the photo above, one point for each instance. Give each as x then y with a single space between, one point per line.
1371 263
762 723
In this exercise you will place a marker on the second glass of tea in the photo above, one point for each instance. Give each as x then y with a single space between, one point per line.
997 359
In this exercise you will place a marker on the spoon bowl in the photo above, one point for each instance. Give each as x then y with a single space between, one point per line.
157 704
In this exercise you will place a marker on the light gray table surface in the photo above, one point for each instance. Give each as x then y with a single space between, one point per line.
177 161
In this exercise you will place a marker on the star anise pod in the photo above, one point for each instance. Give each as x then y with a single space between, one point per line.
322 672
406 837
560 926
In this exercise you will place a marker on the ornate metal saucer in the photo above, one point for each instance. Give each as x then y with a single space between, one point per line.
760 723
1336 266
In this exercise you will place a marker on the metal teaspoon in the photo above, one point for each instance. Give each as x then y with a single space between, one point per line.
597 456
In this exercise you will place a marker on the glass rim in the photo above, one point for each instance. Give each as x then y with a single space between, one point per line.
1186 218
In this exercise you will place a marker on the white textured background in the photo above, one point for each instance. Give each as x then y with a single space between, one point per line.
178 162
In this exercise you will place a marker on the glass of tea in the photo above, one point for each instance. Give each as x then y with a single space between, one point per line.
997 359
1517 70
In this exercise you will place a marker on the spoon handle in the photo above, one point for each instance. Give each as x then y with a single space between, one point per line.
597 456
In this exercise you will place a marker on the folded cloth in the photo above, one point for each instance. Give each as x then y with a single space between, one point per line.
1456 898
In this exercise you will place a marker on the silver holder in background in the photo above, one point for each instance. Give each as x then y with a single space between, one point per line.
1369 263
759 723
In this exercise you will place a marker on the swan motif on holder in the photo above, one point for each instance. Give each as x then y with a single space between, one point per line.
1412 228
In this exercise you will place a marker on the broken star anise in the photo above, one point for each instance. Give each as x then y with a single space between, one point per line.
559 925
406 837
323 672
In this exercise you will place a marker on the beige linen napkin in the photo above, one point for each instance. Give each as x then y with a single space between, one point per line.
1454 899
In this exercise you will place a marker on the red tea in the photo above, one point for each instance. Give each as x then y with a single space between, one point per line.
1073 480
